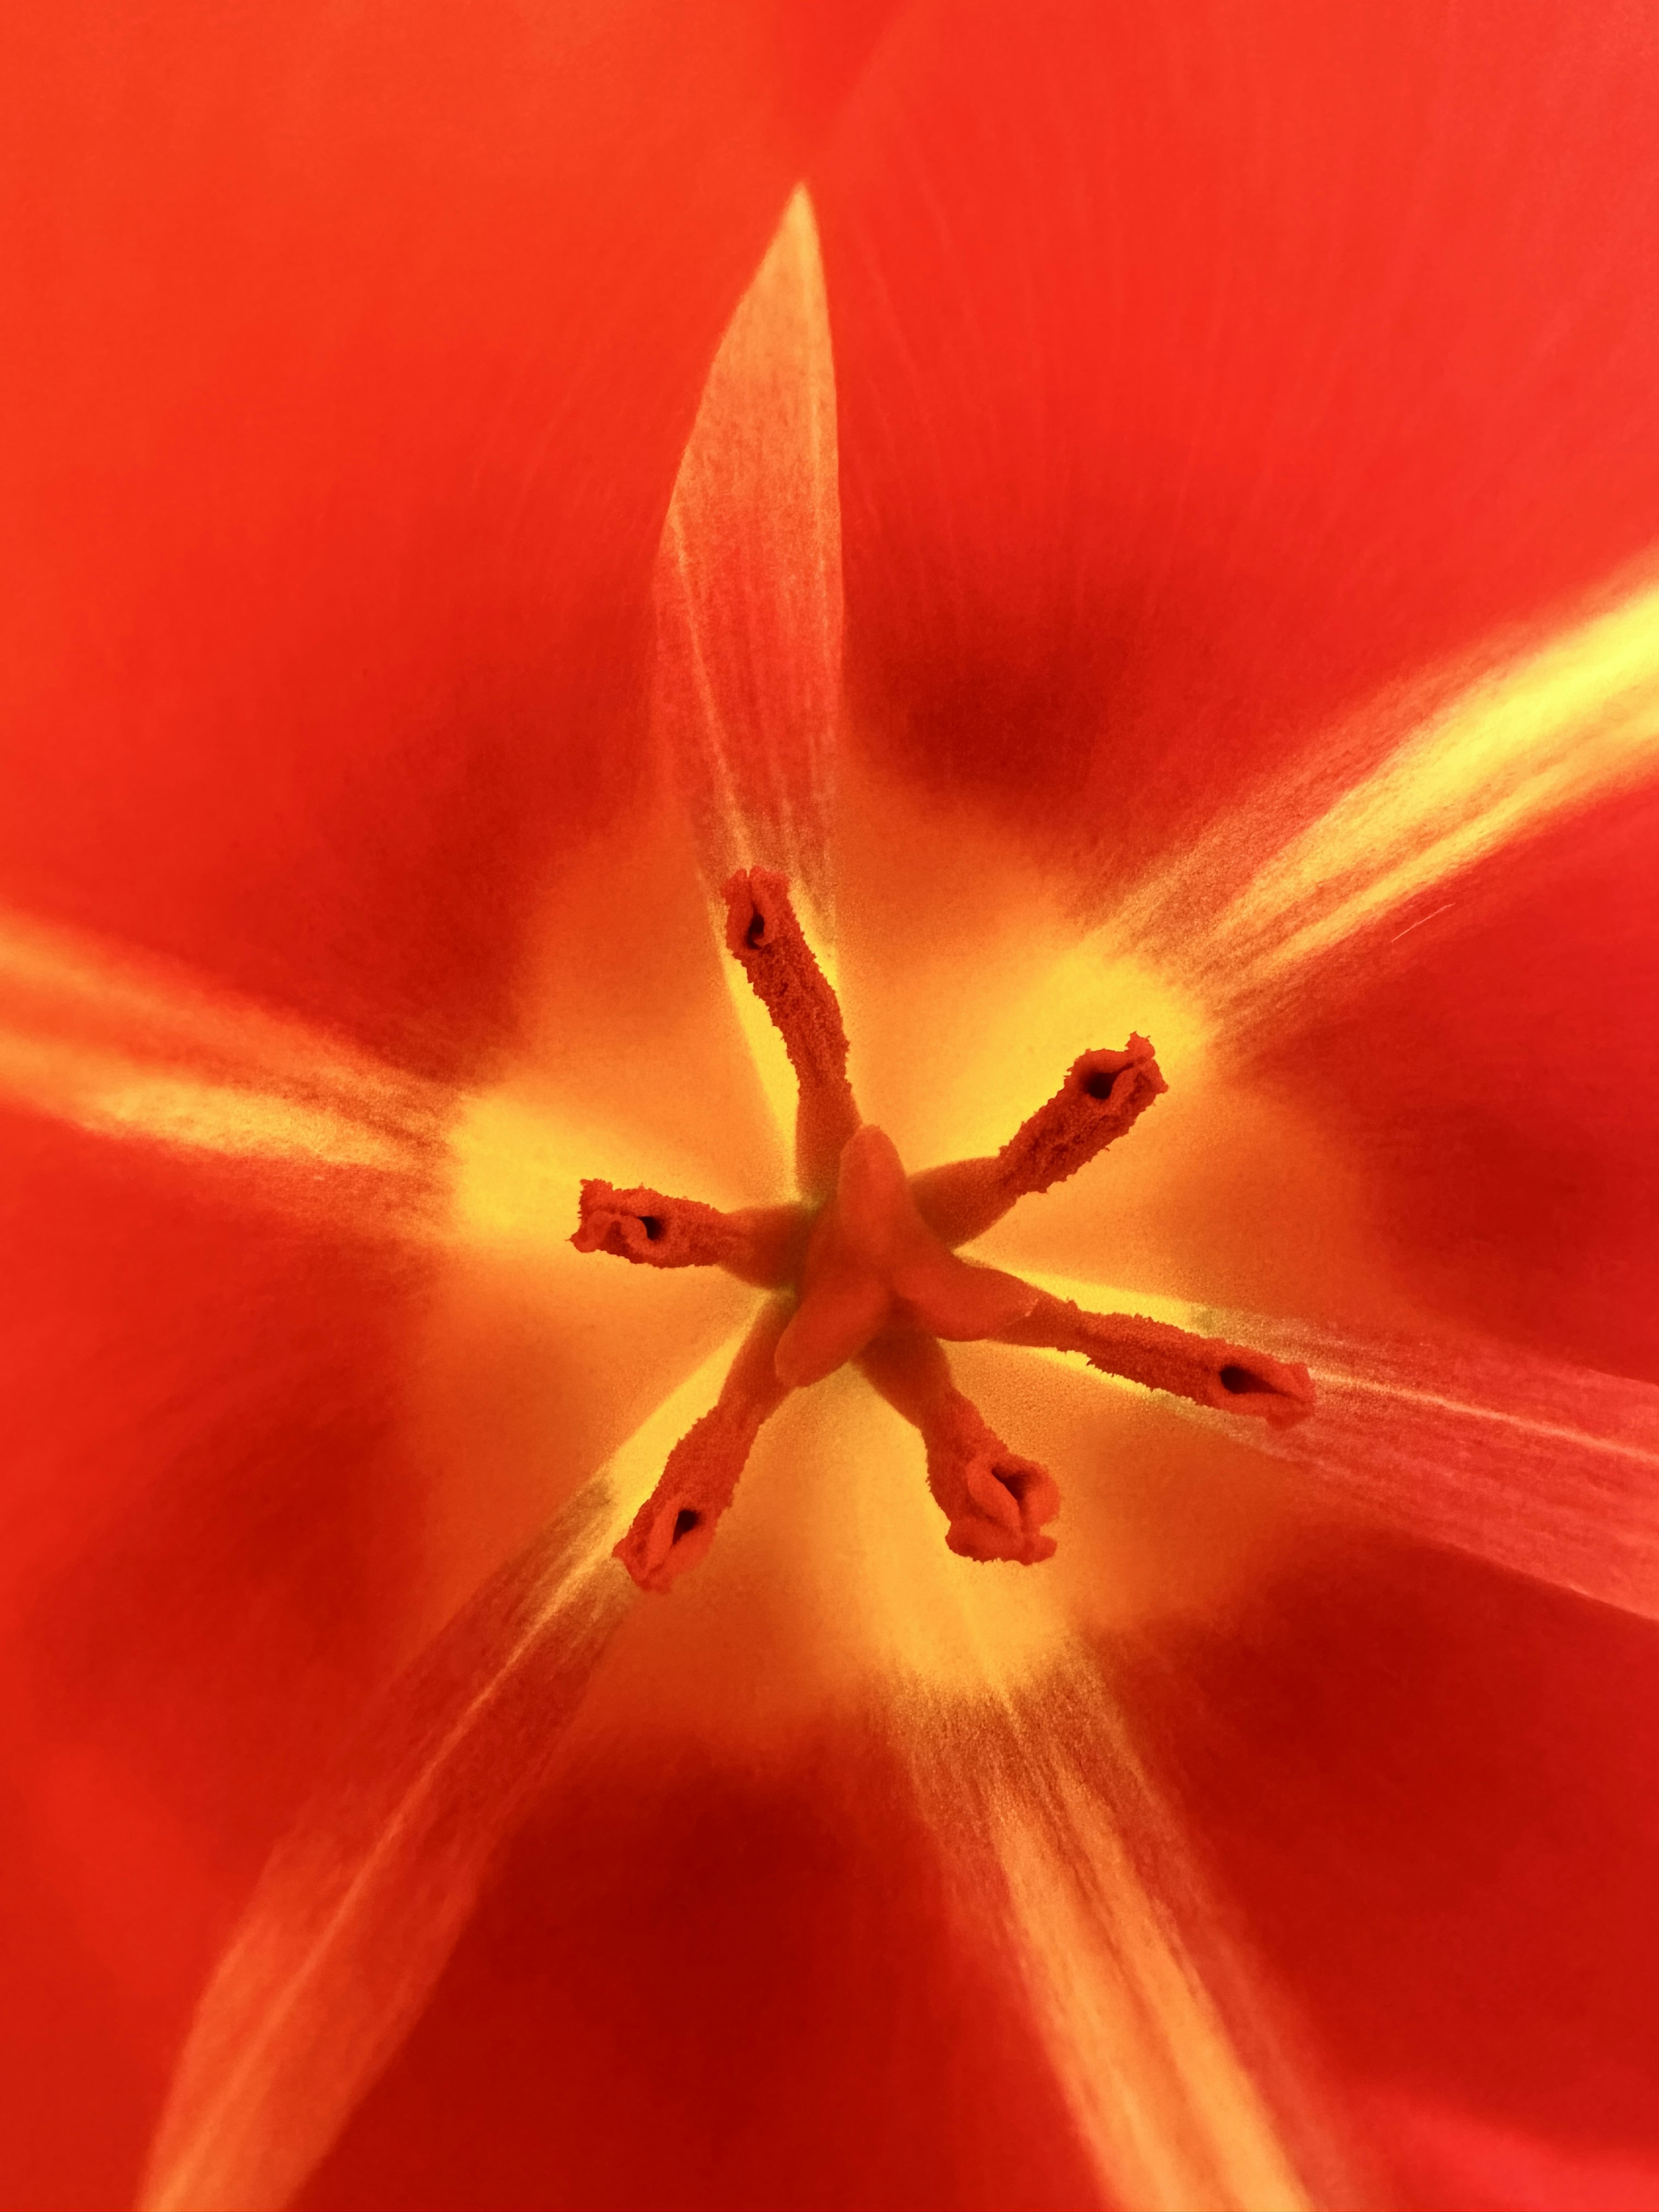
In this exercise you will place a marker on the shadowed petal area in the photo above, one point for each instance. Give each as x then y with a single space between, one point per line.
1495 1073
1184 2077
205 1485
1200 374
1428 1785
705 1985
1470 2164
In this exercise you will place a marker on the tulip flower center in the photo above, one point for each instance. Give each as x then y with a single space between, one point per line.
863 1269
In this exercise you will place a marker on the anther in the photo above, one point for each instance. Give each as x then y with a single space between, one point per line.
762 1244
763 934
1103 1096
675 1526
1207 1370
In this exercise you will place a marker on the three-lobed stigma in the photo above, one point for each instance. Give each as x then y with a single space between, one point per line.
864 1269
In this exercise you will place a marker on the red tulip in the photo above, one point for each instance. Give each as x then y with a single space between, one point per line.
1246 477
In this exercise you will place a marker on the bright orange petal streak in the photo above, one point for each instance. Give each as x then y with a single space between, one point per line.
128 1048
1526 738
362 1902
748 582
1548 1469
1087 1871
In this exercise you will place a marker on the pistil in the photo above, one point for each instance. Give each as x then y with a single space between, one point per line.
864 1271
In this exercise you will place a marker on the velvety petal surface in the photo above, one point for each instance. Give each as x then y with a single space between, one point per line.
1432 1785
1184 367
1200 375
1226 409
354 357
1219 397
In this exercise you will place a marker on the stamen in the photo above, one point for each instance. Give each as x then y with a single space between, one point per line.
1103 1096
995 1502
762 934
675 1526
1205 1369
762 1244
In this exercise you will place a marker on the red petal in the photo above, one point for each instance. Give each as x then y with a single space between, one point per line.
352 357
1201 370
1430 1785
1497 1070
697 1988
